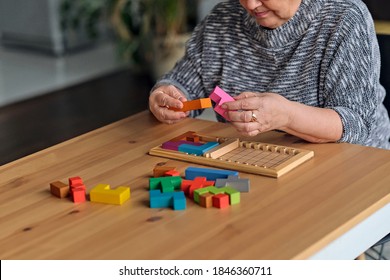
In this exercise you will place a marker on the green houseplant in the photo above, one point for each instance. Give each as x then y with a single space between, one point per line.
148 32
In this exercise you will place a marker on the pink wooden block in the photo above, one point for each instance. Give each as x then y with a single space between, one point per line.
220 97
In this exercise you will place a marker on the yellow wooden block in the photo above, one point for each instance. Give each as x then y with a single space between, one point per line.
104 194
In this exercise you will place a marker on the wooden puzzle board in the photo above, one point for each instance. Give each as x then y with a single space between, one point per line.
234 154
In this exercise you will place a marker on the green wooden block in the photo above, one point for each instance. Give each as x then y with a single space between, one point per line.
199 192
211 189
234 195
165 184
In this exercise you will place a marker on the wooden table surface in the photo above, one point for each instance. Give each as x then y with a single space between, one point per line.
291 217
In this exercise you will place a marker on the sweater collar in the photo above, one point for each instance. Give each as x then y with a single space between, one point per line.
289 32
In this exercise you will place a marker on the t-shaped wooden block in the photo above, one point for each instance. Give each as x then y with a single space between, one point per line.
220 97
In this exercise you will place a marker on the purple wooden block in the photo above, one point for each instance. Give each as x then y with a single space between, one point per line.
174 145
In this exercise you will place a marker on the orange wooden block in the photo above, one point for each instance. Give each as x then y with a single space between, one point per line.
59 189
205 200
159 171
194 105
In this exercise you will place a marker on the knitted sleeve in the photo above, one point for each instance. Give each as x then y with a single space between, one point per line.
352 80
187 73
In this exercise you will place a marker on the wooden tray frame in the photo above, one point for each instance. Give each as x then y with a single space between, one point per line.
297 157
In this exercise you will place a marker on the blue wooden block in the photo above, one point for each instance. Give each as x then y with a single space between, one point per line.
179 201
159 199
197 150
211 174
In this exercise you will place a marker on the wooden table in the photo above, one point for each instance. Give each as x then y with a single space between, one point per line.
296 216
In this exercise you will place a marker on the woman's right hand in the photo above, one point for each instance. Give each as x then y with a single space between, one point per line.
162 99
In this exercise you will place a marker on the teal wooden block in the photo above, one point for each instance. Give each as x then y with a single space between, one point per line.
159 199
179 201
197 150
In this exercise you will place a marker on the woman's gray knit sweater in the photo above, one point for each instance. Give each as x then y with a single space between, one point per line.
326 56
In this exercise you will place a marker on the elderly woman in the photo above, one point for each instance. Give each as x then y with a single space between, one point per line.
307 67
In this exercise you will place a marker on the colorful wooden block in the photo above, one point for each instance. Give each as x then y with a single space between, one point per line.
240 184
59 189
198 192
174 145
219 97
205 200
158 199
196 104
159 171
234 195
78 194
165 184
220 200
104 194
189 186
197 150
77 186
210 174
179 201
172 173
75 181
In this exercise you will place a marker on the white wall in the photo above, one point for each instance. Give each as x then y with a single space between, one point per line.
205 7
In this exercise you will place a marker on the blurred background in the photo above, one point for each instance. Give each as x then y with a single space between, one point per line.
50 44
71 66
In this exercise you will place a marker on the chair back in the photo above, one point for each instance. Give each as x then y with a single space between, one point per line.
384 45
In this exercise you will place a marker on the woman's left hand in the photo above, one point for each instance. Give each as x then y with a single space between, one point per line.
253 113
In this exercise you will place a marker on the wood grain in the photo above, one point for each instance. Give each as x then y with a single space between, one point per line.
291 217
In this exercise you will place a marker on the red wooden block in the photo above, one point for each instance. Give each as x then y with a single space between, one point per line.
75 180
172 173
220 200
77 186
159 171
189 186
78 195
